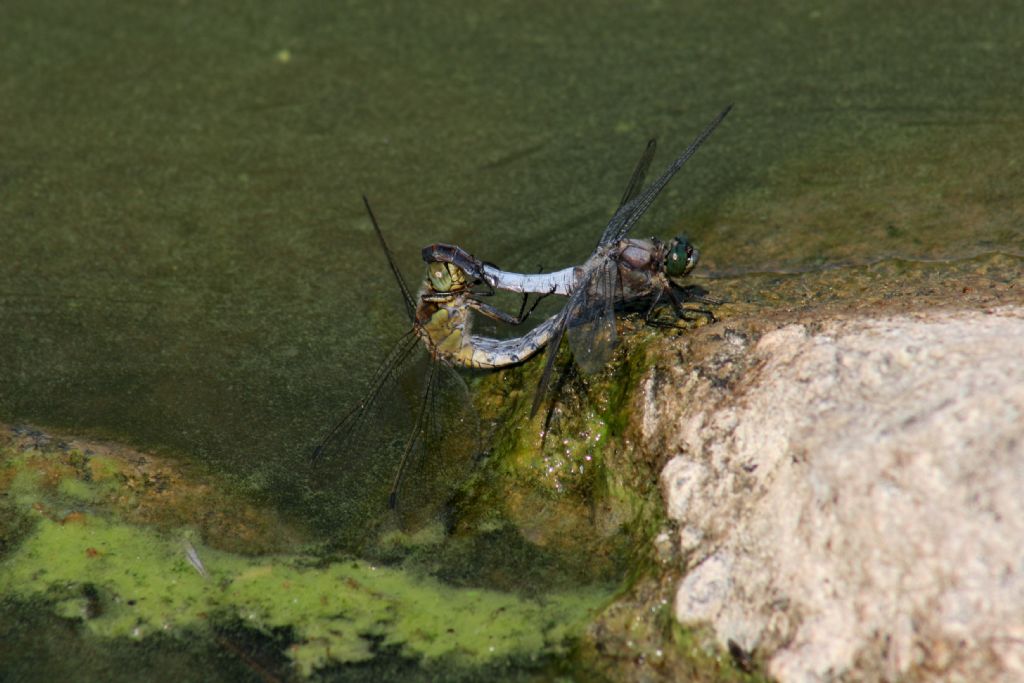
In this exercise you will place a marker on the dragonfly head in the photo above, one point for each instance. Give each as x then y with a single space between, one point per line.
446 277
681 257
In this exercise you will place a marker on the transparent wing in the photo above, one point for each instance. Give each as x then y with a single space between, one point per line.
627 216
593 338
552 355
636 181
441 448
591 329
405 354
407 299
588 318
358 457
410 440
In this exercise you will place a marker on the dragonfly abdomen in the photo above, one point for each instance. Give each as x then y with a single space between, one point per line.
489 353
444 327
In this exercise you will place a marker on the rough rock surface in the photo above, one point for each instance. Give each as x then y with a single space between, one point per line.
850 494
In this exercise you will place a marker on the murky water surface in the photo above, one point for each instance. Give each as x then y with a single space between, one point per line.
185 265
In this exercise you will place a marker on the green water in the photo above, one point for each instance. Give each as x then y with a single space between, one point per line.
185 265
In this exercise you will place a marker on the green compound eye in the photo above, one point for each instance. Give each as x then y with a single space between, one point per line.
682 257
439 277
445 277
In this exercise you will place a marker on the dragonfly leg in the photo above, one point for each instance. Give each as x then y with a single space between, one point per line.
540 297
568 374
690 313
489 291
696 293
495 313
654 304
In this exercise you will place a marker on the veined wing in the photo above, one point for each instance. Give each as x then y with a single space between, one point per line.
361 452
592 329
559 326
440 448
589 319
409 440
407 300
627 216
352 427
636 181
561 282
589 315
373 444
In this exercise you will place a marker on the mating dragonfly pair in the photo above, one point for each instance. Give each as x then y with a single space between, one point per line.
443 434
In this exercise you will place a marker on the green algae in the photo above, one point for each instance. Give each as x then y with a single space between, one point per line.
122 580
338 613
566 480
78 489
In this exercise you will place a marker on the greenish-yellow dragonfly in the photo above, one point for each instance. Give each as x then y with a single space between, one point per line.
416 409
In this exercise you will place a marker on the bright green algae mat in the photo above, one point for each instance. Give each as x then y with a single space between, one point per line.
73 555
337 613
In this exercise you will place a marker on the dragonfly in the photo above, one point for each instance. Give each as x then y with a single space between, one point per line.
647 267
618 269
444 433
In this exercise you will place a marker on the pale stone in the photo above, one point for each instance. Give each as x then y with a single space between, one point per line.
856 497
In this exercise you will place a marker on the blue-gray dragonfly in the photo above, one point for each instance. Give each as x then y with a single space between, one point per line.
619 269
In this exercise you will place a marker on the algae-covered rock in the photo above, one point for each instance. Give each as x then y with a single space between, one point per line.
565 479
573 481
